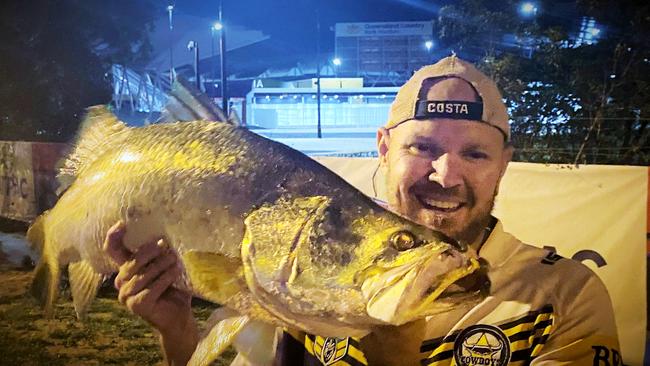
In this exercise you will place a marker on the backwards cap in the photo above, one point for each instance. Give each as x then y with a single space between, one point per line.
489 109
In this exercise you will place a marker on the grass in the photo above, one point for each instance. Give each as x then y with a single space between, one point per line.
111 335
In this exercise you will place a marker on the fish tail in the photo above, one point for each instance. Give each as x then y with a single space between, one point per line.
45 284
36 234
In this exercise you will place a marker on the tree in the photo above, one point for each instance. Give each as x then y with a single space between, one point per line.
571 102
56 57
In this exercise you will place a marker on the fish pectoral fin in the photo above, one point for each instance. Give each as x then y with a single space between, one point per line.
214 276
217 339
84 282
256 343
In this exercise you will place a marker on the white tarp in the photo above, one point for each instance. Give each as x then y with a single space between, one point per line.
596 214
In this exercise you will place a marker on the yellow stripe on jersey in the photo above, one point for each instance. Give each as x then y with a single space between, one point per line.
357 355
347 351
526 334
448 346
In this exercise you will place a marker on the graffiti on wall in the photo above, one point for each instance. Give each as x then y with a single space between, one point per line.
16 180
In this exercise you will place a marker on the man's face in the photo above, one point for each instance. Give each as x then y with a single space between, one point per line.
444 173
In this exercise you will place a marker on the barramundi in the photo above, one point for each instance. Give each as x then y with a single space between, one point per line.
259 228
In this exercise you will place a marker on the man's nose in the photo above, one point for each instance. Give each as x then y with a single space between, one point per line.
446 171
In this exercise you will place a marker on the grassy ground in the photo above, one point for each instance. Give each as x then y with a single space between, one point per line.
110 336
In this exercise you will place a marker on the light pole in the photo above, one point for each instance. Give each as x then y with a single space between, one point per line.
194 46
216 27
429 46
170 10
222 51
318 124
527 10
336 62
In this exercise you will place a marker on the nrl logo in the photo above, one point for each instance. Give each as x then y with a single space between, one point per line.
329 350
482 345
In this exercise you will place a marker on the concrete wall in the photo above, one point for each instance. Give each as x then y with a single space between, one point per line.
28 178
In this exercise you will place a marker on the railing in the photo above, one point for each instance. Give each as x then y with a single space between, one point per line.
141 92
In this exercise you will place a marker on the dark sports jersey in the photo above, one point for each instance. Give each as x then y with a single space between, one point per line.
542 310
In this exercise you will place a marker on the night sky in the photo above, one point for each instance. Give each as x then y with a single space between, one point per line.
295 20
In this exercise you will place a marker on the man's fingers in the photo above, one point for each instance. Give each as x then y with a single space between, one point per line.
164 282
138 262
113 244
148 277
145 299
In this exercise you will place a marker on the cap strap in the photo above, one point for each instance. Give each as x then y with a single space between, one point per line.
452 109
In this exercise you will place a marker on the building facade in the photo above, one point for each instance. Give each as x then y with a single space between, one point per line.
384 53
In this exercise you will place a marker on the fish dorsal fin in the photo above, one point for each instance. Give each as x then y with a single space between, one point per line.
97 128
186 103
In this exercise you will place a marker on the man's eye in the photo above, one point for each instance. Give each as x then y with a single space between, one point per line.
476 155
419 149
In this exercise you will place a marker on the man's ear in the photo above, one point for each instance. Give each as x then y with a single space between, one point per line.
506 158
383 138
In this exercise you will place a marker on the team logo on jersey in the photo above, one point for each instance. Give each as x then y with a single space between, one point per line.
482 345
329 350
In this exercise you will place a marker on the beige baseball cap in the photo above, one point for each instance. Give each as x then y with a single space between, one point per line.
488 109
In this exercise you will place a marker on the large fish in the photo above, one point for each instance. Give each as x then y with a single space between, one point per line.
259 227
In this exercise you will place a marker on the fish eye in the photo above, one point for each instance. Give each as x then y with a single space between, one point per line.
403 240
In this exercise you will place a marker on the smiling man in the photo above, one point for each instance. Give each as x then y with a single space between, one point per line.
444 151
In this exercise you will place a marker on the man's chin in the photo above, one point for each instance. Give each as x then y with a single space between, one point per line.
446 223
452 225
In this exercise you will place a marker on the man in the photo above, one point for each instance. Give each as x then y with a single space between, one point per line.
444 150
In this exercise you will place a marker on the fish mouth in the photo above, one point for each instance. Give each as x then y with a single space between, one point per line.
477 283
434 285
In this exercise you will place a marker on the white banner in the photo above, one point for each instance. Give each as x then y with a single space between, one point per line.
594 214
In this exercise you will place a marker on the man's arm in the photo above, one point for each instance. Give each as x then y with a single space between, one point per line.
144 282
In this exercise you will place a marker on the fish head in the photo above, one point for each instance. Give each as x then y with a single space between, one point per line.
333 269
407 271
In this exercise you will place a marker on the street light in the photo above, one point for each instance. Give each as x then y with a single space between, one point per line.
528 9
219 26
194 46
215 27
336 62
170 10
428 45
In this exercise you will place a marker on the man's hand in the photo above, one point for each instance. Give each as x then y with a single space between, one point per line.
144 282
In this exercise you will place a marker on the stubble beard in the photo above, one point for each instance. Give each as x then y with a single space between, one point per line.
468 233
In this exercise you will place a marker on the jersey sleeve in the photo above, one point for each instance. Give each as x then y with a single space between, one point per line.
584 329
